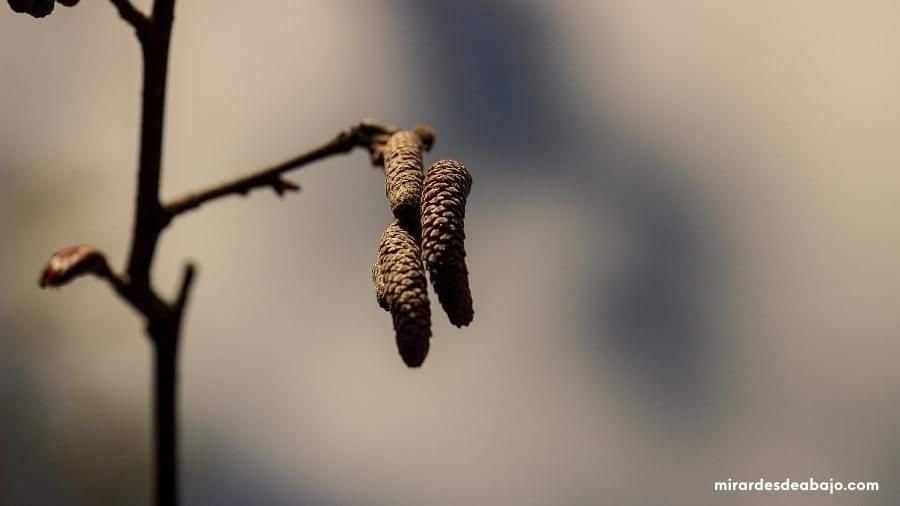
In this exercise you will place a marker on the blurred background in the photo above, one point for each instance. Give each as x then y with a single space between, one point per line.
684 242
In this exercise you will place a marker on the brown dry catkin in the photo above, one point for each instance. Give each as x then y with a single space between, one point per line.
379 285
446 188
402 289
403 174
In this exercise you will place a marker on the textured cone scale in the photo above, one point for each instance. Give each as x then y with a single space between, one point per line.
402 289
378 281
403 174
444 196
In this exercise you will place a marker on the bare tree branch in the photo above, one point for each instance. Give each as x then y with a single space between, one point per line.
132 15
149 218
164 318
145 302
366 134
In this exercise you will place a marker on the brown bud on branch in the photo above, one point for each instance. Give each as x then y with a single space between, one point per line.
403 174
72 262
444 196
402 289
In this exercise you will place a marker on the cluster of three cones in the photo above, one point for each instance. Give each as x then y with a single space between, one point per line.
427 234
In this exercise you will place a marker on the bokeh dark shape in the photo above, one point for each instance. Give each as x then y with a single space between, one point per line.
38 8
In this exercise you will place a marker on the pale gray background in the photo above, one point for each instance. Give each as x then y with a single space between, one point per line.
684 242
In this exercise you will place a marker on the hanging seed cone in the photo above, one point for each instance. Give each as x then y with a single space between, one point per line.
401 288
444 196
403 174
378 281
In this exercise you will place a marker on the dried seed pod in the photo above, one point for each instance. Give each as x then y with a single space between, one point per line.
444 196
378 281
405 291
403 174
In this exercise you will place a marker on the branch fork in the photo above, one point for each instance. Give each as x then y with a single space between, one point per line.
164 318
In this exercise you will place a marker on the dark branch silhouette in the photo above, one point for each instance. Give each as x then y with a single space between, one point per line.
367 134
131 14
164 318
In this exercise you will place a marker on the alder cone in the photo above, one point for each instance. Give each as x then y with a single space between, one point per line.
378 281
446 188
403 174
401 288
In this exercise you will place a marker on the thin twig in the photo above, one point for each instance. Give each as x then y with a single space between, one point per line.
367 134
164 319
149 219
132 15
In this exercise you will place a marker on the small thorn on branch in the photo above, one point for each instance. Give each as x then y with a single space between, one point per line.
368 134
282 186
184 291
